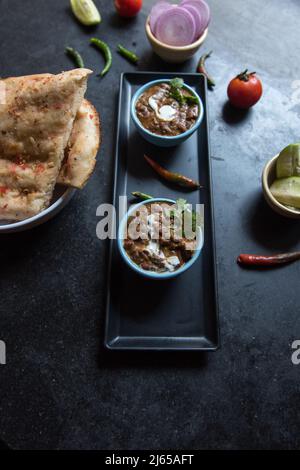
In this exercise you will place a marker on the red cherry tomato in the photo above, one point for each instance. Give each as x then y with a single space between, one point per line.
128 8
245 90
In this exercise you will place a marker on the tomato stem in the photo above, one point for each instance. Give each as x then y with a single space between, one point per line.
245 76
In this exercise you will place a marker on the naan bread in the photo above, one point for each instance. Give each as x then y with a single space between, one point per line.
36 121
82 148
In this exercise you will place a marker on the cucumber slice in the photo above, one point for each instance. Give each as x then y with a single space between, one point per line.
288 162
86 12
287 191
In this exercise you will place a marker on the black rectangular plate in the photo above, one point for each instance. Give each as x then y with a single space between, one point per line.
176 314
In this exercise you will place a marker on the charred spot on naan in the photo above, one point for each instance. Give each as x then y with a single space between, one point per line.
82 148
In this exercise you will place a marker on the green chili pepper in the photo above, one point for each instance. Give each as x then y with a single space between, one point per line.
141 196
75 56
176 178
104 48
131 56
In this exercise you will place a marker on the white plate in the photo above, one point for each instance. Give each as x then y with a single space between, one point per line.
61 198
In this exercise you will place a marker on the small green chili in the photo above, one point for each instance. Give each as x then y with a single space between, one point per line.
141 196
75 56
104 48
129 55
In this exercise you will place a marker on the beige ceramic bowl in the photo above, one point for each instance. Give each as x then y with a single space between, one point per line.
172 53
268 177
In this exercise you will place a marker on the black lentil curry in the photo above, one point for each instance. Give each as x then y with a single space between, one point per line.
161 113
151 241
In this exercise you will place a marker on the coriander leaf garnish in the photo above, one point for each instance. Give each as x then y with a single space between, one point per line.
189 99
176 82
176 85
175 91
182 206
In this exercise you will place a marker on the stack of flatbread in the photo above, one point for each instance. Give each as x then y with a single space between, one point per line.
49 134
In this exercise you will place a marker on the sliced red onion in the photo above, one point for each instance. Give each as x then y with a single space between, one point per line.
156 11
175 27
198 19
203 9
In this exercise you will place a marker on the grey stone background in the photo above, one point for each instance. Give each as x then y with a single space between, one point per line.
59 389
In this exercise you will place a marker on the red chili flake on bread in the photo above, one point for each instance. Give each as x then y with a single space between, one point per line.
19 159
40 168
20 162
3 190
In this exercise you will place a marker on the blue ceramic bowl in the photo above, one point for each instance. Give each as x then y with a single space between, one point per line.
161 140
138 269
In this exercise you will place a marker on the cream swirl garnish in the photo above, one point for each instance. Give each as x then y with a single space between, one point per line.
155 250
165 113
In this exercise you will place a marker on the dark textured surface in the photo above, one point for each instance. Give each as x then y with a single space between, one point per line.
59 390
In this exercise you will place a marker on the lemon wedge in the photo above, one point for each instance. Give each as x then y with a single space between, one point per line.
288 162
86 12
287 191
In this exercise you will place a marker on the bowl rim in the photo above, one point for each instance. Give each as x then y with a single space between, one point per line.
266 187
152 274
179 137
188 47
68 193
